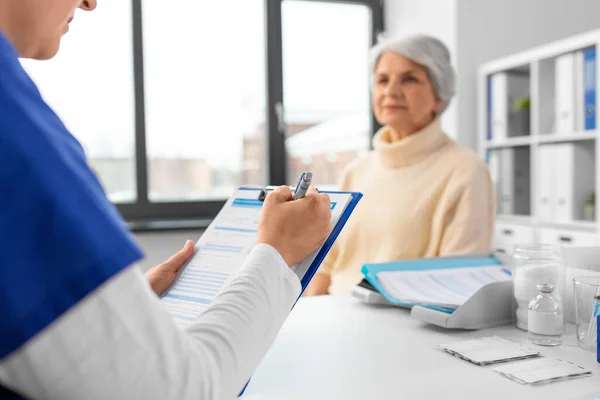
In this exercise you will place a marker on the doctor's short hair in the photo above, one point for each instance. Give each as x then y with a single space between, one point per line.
426 51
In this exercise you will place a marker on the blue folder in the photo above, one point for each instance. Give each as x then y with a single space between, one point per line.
370 272
312 270
589 79
490 116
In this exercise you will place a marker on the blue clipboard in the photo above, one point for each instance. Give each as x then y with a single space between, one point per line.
337 229
356 196
370 272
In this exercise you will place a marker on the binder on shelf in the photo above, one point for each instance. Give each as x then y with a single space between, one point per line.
589 62
493 162
573 176
564 81
521 160
498 106
489 306
546 187
579 105
563 177
503 89
489 108
506 205
514 181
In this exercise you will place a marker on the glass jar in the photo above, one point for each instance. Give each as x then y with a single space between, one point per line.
535 263
586 294
545 318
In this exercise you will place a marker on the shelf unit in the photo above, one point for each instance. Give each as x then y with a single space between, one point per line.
540 139
517 141
574 137
538 63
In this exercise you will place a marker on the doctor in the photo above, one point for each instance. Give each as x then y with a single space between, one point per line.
78 320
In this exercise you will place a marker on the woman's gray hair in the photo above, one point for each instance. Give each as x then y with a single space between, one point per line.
427 51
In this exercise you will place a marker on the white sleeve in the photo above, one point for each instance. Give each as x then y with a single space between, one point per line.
121 343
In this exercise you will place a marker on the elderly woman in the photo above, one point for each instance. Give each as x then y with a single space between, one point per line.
424 194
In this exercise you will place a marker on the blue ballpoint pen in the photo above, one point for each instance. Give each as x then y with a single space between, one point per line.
303 185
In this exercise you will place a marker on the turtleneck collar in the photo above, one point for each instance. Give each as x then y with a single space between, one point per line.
410 150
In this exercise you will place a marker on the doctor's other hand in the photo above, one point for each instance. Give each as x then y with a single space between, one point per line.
294 228
162 276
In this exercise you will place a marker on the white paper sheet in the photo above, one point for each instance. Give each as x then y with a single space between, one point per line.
448 288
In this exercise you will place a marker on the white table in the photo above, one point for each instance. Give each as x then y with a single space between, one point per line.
335 347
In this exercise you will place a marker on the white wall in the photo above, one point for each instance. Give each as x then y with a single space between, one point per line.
490 29
432 17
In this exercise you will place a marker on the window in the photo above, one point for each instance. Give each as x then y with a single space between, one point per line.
93 97
205 97
325 87
179 101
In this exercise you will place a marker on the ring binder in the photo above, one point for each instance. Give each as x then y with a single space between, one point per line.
491 305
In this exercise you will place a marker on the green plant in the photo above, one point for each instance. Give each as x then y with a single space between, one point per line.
591 199
522 103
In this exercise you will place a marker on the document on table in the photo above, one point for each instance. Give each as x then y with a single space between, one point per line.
447 288
489 350
542 370
222 250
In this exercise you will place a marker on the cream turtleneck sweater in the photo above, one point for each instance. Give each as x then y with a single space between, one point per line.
424 196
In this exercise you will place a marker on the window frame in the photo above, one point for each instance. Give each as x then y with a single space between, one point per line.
146 215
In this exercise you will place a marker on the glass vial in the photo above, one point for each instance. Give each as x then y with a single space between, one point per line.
545 318
535 263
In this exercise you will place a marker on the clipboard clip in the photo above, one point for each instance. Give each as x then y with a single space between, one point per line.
268 189
265 191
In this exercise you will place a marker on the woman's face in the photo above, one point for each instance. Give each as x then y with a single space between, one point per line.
35 27
403 97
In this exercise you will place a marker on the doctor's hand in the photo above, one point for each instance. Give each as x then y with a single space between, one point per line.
295 228
162 276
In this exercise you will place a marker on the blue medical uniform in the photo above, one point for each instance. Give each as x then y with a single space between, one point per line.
60 238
